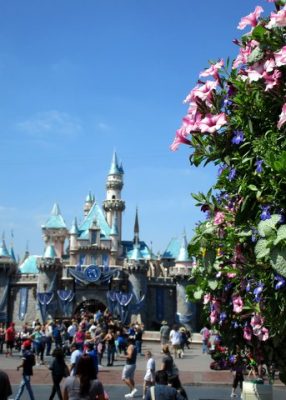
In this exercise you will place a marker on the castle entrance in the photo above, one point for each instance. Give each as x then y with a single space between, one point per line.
89 306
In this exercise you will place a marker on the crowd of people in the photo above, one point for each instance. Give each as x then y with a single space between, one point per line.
85 340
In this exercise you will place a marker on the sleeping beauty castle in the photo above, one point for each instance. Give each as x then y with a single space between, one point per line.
89 266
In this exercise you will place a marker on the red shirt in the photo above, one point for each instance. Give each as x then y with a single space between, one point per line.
10 334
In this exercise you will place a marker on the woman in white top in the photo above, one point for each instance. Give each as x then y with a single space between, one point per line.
149 378
82 386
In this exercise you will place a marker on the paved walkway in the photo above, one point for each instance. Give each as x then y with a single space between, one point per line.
194 369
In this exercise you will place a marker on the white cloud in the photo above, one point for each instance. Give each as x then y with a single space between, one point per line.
51 122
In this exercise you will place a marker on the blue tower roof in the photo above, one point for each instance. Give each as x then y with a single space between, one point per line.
74 229
29 266
50 252
183 255
12 254
3 249
55 221
173 249
115 169
136 254
89 198
95 214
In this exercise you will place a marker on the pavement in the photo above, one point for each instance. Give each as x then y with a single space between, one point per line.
194 374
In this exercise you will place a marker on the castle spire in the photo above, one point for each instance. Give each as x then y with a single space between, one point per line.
3 248
136 228
12 254
115 169
183 255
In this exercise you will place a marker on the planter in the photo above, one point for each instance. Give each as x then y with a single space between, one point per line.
256 391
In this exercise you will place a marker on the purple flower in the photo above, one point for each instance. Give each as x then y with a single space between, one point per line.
222 316
254 235
248 287
265 213
232 174
221 169
238 137
281 282
258 291
258 165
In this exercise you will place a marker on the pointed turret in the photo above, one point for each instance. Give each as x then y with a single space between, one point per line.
55 221
113 203
55 230
115 169
183 256
136 228
89 200
3 249
74 229
50 252
11 252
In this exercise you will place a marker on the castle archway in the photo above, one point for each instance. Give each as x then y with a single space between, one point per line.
89 306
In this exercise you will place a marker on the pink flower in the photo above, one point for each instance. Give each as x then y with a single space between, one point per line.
257 321
247 333
250 19
216 305
212 123
237 303
282 117
207 298
231 275
179 139
269 65
191 97
192 120
271 80
264 334
219 218
204 92
213 317
244 52
280 57
213 70
277 19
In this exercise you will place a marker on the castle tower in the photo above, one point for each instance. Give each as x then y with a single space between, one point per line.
74 242
88 203
137 267
55 231
113 203
7 268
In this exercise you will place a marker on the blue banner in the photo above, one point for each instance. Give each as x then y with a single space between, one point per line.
160 303
24 291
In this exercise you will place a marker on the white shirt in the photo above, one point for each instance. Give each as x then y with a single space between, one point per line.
150 370
175 337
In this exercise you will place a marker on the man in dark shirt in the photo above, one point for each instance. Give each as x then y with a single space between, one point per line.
161 389
28 361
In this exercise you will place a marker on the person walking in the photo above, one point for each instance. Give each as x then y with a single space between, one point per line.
10 335
175 338
237 369
130 367
168 364
59 370
28 361
161 390
149 377
164 334
83 385
205 332
109 340
75 357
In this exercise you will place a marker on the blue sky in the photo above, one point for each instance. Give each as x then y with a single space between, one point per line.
79 79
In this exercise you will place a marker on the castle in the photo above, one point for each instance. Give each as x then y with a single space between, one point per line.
97 269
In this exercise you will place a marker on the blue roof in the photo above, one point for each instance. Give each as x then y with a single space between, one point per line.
115 169
29 266
74 228
128 249
89 198
55 221
183 255
95 214
3 250
50 252
135 254
173 249
12 254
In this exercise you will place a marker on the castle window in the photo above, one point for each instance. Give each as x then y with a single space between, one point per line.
113 197
93 237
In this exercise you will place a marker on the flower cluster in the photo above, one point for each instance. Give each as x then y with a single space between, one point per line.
237 120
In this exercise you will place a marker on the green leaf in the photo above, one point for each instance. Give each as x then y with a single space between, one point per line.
281 234
213 284
278 260
198 294
257 54
245 233
252 187
261 248
268 227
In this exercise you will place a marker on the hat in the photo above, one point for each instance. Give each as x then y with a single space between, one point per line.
26 344
164 323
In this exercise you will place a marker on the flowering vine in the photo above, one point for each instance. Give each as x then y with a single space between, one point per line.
236 119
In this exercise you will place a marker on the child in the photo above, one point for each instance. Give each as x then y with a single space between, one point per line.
237 370
149 378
